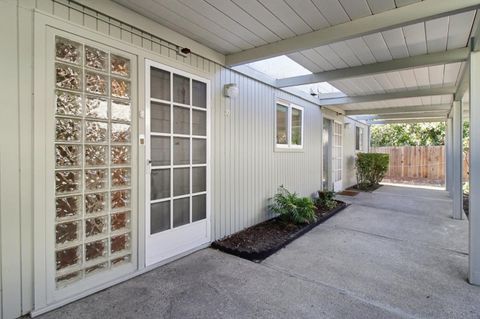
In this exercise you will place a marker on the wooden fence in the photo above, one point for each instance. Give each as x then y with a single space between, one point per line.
417 164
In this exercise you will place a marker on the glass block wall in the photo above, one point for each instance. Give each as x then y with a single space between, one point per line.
93 161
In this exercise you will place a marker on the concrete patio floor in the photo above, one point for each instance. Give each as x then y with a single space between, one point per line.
394 253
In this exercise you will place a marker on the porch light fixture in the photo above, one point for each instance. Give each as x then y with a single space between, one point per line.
230 90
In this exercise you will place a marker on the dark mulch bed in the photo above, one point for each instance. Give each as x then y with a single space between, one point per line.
466 203
368 190
262 240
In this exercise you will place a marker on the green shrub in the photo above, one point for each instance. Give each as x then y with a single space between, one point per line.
326 199
292 208
371 168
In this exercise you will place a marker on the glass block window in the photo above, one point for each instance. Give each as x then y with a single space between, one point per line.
93 161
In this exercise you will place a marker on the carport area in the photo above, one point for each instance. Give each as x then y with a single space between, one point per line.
394 253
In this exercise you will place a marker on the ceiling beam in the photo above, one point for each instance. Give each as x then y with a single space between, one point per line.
413 13
440 119
400 109
387 96
404 116
452 56
474 44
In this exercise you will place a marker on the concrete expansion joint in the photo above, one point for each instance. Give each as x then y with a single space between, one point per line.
410 196
341 291
415 243
428 218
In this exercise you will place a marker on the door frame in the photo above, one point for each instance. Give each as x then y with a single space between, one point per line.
338 185
43 23
171 233
329 162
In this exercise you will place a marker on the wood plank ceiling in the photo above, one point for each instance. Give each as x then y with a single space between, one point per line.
230 26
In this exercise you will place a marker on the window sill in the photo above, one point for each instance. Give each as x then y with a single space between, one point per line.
280 149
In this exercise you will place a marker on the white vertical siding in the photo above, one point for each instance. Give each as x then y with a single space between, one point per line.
246 170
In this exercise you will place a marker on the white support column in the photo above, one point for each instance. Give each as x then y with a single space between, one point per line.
457 184
448 156
474 209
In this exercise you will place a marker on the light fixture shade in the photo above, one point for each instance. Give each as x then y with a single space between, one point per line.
231 90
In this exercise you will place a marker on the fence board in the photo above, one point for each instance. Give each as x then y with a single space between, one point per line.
424 164
417 163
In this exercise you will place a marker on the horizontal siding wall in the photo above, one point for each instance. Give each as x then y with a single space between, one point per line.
246 170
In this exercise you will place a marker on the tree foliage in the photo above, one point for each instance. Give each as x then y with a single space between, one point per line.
417 134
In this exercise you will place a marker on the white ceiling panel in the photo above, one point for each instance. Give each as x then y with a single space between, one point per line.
437 31
402 3
345 53
301 59
451 73
230 9
206 10
262 14
409 79
431 100
384 81
332 10
415 38
395 41
187 13
373 84
446 99
362 51
435 73
170 19
422 77
437 99
377 6
284 13
315 57
356 8
309 13
426 100
396 80
333 58
378 47
459 26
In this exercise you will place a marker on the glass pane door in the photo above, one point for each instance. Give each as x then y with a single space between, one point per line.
177 174
327 154
337 155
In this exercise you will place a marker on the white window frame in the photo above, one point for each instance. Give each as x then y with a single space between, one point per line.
289 145
359 129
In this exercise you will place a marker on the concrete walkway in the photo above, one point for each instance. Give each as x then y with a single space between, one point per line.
395 253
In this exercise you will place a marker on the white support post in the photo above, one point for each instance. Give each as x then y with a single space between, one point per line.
448 156
457 183
474 209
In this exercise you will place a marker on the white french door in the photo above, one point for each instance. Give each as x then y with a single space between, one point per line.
337 156
177 144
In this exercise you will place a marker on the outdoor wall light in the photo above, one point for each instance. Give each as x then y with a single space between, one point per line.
231 90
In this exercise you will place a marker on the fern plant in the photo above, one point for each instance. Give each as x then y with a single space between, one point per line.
289 206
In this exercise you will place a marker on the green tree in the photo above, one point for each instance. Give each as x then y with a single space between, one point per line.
417 134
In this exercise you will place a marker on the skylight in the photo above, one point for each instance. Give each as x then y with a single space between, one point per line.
320 88
283 67
279 67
